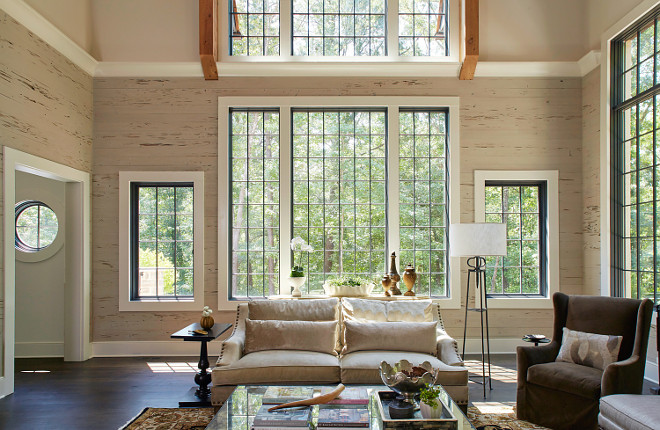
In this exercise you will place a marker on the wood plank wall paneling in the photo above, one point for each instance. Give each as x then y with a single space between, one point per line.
45 107
151 124
591 181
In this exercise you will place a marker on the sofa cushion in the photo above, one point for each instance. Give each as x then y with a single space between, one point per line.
362 367
391 336
630 411
279 367
412 311
379 310
589 349
567 377
364 310
265 335
291 310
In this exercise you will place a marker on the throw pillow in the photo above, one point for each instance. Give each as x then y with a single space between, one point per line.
265 335
364 310
390 336
589 349
290 310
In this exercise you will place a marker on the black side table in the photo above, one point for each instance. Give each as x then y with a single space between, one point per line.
536 341
200 396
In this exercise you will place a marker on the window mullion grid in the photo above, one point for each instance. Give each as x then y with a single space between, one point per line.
429 202
309 193
520 224
263 200
175 266
637 193
355 202
157 242
655 194
39 227
248 275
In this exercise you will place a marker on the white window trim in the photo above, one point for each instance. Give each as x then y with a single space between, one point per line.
264 65
551 178
125 302
284 104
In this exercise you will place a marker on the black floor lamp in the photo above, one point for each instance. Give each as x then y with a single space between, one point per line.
476 241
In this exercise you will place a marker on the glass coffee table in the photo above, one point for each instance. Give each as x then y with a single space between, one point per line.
240 408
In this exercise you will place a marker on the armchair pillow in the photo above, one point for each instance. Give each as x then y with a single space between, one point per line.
589 349
265 335
390 336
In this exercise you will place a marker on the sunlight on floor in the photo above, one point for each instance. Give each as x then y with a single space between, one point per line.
494 407
35 371
172 367
501 374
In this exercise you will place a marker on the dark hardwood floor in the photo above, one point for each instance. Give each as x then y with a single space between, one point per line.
105 393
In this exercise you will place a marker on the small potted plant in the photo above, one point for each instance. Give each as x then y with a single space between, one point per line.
430 404
348 286
297 277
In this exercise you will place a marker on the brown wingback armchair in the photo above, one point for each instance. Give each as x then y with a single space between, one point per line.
563 395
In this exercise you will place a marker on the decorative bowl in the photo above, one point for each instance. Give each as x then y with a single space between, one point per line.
406 379
347 290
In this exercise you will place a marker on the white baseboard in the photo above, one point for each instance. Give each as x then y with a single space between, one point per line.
175 348
39 349
500 345
166 348
651 371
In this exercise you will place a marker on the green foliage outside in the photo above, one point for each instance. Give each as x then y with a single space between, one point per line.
339 28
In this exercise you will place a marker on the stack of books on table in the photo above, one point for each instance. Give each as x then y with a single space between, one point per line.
343 418
275 395
282 419
350 397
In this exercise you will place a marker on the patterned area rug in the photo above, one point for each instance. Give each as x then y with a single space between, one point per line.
171 419
501 417
498 416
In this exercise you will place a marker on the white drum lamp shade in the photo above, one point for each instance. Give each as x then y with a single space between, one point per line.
479 239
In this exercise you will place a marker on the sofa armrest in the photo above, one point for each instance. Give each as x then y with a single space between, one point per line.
232 348
623 377
448 350
527 356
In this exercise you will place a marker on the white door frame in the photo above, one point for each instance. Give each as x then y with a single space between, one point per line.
77 345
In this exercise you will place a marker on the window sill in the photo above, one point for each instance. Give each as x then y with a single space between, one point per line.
446 303
160 305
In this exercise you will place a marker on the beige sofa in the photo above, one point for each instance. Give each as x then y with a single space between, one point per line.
354 356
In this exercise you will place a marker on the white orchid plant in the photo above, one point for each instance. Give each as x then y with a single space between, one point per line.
298 244
207 311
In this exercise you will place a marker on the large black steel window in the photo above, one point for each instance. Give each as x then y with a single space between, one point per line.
339 197
255 209
635 160
523 208
423 197
161 232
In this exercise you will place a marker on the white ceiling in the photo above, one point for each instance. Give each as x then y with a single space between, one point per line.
166 31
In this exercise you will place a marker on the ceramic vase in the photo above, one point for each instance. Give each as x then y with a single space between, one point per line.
296 283
409 278
430 413
394 276
207 322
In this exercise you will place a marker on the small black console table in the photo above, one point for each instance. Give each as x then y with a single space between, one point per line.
199 397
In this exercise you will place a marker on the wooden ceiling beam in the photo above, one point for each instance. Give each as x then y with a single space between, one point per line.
208 38
471 40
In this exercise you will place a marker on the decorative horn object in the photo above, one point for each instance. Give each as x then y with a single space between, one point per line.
319 400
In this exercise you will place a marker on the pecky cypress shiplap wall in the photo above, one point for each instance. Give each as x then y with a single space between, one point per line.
45 106
171 124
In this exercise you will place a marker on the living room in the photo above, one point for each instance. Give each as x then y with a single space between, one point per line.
102 99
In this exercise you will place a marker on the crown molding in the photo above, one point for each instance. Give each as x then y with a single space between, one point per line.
589 62
485 69
40 26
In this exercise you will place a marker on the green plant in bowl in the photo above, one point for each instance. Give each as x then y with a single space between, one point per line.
430 405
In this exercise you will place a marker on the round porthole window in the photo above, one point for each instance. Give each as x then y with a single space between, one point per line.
36 226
